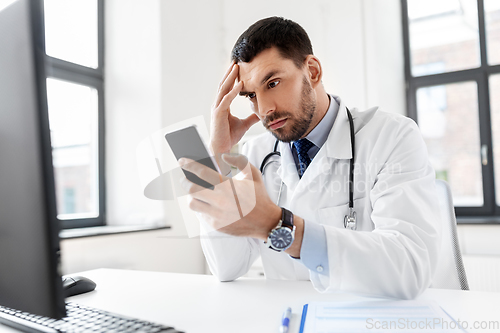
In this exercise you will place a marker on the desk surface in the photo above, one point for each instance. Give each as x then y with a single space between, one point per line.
200 303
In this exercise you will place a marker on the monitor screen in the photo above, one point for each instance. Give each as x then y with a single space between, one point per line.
29 278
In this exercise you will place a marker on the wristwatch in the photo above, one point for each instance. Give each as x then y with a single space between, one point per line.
282 236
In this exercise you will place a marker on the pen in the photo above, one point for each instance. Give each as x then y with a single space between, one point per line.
285 321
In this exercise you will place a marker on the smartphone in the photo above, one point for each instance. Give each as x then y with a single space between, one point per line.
187 143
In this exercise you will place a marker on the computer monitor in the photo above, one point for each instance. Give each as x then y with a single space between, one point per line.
29 241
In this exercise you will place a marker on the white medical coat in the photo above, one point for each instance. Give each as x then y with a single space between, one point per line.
394 251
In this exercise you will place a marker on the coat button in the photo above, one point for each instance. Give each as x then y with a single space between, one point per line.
319 268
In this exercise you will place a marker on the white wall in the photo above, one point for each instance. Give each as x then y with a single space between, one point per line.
158 250
133 104
481 255
383 46
164 60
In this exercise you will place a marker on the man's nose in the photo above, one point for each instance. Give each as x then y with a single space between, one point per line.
266 106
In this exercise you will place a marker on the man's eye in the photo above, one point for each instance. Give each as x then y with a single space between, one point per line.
273 84
251 96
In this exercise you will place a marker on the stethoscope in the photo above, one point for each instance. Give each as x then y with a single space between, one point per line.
350 219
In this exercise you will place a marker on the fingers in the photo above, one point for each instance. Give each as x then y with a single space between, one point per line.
246 168
250 120
239 161
226 85
226 74
200 206
192 188
200 194
229 97
207 174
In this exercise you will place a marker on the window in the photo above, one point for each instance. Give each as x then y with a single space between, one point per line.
74 48
452 69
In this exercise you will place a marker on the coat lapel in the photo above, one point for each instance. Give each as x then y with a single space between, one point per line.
338 144
287 170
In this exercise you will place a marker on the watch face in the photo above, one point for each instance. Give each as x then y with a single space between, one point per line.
281 238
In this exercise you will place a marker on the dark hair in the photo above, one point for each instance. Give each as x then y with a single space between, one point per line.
288 37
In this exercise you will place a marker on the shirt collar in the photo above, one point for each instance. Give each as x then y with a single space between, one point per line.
338 144
334 124
320 133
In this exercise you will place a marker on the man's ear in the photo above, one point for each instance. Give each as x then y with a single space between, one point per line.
314 70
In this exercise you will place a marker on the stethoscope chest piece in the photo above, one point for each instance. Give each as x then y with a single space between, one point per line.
350 220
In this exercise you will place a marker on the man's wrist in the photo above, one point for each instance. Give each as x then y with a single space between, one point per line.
274 216
294 249
224 168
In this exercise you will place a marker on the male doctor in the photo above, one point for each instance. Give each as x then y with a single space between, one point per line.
296 220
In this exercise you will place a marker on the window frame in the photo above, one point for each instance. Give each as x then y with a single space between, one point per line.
489 212
92 77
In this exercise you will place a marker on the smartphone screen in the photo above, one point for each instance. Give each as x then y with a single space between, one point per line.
187 143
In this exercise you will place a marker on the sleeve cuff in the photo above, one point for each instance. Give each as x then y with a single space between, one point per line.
314 252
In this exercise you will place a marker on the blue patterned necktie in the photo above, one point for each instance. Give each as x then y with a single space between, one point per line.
302 146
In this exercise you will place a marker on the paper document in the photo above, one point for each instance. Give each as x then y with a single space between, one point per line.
377 316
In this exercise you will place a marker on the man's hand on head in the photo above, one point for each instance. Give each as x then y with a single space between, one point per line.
227 130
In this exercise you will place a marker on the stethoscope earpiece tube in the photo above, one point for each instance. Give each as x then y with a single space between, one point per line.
268 156
351 164
350 219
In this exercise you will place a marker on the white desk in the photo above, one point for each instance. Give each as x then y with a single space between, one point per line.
201 304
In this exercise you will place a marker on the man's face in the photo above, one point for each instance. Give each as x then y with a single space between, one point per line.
279 93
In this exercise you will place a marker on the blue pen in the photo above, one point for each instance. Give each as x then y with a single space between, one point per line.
285 321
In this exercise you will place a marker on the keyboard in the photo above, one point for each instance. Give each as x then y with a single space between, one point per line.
80 318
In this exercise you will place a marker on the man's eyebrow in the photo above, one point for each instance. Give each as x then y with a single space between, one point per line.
268 76
264 80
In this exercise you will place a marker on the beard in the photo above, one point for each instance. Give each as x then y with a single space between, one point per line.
298 123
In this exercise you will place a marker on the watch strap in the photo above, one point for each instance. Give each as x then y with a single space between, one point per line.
286 218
